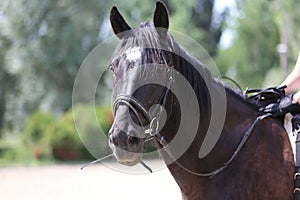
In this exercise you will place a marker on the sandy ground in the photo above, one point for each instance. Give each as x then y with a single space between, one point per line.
68 182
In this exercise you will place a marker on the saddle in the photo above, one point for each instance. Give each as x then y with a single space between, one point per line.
264 97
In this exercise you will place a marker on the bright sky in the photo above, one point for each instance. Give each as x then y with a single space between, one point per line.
227 35
221 4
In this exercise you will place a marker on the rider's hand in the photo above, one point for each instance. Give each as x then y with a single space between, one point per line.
282 106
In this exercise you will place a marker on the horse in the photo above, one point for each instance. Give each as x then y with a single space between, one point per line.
251 157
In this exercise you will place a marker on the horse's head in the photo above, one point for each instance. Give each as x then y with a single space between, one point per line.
139 70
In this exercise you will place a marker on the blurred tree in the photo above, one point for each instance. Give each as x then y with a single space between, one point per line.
8 80
63 34
199 20
259 26
287 19
196 18
43 43
253 51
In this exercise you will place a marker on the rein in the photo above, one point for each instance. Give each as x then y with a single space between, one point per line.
211 174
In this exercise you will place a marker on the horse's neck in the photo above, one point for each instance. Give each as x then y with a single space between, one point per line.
239 117
238 111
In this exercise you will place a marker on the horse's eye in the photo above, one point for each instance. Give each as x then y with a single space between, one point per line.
111 67
114 65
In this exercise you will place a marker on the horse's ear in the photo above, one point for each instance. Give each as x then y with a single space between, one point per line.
161 16
117 22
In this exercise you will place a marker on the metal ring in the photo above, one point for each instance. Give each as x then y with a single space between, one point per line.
152 130
295 176
296 190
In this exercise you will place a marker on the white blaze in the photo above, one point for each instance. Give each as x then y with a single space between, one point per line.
133 54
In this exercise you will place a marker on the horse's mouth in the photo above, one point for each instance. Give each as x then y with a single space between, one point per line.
126 157
130 163
129 160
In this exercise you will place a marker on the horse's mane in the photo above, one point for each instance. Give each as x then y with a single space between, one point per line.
145 36
237 94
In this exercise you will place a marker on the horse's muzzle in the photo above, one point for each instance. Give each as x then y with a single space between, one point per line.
127 148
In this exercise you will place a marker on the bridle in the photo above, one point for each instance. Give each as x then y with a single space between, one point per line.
152 130
152 118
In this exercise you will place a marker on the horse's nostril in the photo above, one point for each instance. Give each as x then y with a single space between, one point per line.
110 138
115 137
133 140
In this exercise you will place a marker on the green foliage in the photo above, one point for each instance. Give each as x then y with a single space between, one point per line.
259 26
273 77
195 19
64 34
253 51
18 153
287 19
105 118
8 80
37 125
64 135
92 125
14 150
43 43
35 133
46 137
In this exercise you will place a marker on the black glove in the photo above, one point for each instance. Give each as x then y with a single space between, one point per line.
296 122
282 106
